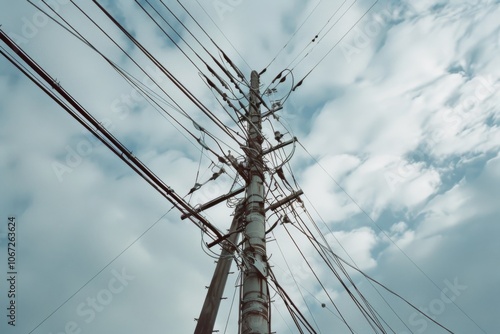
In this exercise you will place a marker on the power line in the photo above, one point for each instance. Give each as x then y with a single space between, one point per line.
319 37
134 82
335 45
293 35
223 34
77 111
386 235
169 75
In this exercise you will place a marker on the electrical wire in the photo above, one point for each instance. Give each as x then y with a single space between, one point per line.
127 76
373 314
296 284
96 128
232 302
319 37
169 75
385 233
223 34
178 46
335 45
317 245
293 35
367 312
122 72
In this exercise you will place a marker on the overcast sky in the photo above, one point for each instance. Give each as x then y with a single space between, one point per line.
401 168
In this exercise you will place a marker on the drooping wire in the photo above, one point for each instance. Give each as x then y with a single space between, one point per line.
293 35
223 34
385 234
228 60
335 45
121 71
235 68
319 37
313 40
326 247
232 301
319 281
77 111
169 75
367 312
182 38
323 238
373 319
294 310
282 318
296 283
127 76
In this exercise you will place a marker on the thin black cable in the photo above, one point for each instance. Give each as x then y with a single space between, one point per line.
177 108
117 68
232 302
335 45
352 260
169 75
96 128
346 274
223 34
237 70
363 311
168 35
338 259
237 122
286 298
385 234
157 107
281 316
191 48
102 269
317 37
373 317
319 281
220 65
393 293
295 281
293 35
313 240
318 34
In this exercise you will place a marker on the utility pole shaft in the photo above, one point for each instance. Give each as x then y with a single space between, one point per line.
255 318
211 305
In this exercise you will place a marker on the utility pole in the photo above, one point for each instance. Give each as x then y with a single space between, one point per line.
254 305
211 305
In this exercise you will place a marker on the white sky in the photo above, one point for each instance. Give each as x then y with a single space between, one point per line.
402 115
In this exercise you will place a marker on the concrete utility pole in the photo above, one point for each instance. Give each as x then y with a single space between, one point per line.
211 305
255 295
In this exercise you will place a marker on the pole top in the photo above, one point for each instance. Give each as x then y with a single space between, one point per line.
254 77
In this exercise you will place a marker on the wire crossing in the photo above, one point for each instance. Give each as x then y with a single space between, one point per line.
269 205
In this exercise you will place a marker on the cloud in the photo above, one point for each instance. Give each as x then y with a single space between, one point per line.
402 115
